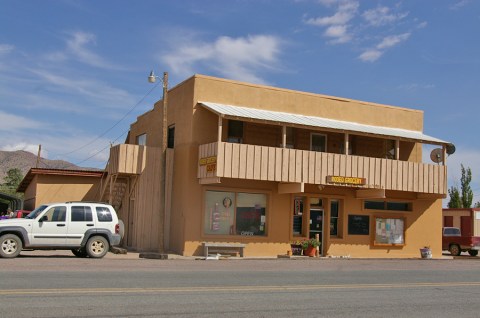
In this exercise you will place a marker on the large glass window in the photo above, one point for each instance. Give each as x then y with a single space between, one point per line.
250 214
219 216
230 213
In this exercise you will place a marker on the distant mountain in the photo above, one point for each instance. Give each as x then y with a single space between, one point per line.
25 160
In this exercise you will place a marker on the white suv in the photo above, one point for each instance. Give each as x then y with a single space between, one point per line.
88 229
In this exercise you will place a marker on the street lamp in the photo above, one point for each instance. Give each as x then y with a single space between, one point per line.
152 78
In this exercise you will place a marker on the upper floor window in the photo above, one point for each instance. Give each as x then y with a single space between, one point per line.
387 205
171 137
318 142
141 140
235 131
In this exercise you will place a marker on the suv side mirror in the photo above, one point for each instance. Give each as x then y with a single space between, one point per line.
43 218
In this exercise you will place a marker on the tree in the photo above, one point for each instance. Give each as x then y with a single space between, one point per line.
467 193
465 199
455 201
11 181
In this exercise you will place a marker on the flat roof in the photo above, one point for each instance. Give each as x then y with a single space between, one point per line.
59 172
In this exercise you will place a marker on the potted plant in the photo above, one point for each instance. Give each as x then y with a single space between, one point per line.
296 247
309 246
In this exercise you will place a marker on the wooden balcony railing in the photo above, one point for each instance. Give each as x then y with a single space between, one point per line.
241 161
126 159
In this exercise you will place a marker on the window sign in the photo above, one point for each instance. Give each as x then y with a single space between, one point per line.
231 213
389 231
219 214
250 214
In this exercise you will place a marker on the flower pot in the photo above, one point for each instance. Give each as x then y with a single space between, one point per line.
310 251
426 252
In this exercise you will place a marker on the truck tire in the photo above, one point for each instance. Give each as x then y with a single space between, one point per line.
10 246
97 247
455 250
473 252
79 252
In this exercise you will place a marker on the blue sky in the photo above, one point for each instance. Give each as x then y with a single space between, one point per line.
73 73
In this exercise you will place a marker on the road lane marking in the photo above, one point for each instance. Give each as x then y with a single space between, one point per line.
230 288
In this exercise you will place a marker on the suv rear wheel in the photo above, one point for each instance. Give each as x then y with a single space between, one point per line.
97 246
10 246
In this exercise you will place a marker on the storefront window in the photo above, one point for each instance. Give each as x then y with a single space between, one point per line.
230 213
250 215
298 209
219 216
334 218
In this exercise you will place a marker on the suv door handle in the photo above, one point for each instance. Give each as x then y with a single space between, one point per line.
89 224
61 224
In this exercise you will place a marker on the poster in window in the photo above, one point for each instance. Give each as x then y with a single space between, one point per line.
389 231
219 214
250 216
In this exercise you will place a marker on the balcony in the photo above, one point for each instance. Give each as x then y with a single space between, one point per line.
127 159
243 161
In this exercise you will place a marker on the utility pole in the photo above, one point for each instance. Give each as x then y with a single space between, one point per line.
38 155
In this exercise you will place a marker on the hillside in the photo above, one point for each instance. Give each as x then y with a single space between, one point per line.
25 160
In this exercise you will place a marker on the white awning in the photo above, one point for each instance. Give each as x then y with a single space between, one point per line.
276 118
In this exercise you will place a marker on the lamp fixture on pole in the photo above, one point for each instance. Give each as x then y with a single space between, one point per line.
152 78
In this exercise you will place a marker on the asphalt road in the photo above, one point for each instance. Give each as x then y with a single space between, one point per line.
55 284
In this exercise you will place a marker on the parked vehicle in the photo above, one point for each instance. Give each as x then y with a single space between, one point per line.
453 241
87 229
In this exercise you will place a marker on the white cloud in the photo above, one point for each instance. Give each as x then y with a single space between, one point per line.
373 54
339 33
415 86
6 48
77 48
10 122
370 55
337 24
104 94
240 58
382 16
25 147
459 4
392 40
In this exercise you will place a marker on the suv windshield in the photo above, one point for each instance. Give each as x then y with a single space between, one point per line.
36 212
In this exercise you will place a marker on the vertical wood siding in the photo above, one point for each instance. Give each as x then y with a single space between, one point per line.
292 165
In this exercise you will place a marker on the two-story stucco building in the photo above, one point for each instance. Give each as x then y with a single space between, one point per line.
266 166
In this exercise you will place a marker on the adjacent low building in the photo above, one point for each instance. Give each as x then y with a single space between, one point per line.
265 166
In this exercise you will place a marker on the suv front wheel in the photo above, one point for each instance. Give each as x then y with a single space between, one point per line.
97 247
10 246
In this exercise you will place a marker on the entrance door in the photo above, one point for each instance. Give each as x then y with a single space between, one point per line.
316 225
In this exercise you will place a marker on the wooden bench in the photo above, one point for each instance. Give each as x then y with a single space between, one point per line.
220 247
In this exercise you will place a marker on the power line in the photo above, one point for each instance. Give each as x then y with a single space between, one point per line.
109 129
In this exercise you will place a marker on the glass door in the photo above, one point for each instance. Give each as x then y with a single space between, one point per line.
316 225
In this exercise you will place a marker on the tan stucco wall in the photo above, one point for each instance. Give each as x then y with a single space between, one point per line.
65 188
195 125
270 98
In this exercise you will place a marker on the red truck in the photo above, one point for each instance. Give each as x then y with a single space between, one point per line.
453 241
